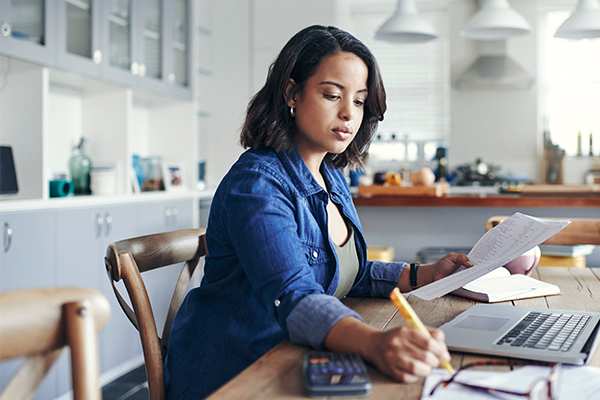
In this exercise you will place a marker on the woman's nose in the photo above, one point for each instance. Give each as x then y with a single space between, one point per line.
347 110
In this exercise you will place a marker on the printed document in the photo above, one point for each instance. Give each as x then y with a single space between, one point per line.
497 247
576 382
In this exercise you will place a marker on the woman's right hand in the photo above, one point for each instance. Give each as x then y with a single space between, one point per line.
405 354
402 353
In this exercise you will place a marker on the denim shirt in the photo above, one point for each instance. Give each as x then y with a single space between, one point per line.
270 273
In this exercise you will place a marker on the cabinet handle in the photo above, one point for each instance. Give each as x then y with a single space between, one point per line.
99 225
171 78
108 225
97 57
142 70
174 219
135 68
168 216
7 237
6 29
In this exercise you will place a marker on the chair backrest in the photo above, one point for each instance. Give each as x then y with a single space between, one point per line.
38 323
579 231
126 260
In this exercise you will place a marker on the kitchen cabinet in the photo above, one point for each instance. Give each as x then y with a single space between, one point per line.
78 36
27 261
82 236
65 246
27 30
146 44
83 90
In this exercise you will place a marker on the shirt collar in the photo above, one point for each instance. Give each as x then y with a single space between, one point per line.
303 178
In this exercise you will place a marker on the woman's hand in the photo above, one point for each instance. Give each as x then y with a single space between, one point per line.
432 272
402 353
406 355
448 264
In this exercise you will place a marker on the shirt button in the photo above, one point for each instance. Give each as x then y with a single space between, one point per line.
315 254
277 302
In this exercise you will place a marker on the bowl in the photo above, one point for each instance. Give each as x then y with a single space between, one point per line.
525 263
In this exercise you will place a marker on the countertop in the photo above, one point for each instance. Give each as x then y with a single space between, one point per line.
478 197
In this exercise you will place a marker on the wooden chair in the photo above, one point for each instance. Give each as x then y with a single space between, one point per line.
126 260
38 323
579 231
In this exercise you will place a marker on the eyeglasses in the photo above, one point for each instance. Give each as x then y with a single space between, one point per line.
540 389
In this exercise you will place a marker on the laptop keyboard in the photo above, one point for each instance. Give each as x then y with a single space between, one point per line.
550 331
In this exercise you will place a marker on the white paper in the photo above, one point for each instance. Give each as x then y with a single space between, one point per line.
576 382
497 247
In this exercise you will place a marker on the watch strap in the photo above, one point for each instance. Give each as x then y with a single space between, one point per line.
414 267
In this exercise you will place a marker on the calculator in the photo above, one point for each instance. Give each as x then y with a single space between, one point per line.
328 373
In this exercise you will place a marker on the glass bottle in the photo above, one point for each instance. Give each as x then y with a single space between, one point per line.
80 166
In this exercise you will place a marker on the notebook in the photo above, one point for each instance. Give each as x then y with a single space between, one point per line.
499 285
540 334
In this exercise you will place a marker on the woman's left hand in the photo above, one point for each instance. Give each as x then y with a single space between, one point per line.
448 264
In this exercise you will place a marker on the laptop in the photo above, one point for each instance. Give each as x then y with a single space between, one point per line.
539 334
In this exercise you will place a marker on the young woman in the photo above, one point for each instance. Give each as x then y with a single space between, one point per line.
284 240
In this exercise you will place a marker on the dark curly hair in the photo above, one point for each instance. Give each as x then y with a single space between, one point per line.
268 123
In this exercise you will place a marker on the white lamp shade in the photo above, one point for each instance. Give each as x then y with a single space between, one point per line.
406 26
584 23
495 20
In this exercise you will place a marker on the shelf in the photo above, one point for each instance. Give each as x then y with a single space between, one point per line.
7 205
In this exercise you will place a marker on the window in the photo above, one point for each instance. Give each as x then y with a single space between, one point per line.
569 85
417 83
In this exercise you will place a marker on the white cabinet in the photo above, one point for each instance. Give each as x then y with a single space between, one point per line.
27 261
66 247
27 30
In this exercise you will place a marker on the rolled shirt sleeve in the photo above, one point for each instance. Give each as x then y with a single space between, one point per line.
313 317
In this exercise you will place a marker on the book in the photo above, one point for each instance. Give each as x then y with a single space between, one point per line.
558 250
500 285
498 246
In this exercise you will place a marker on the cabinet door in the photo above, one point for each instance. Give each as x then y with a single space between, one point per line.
118 27
178 46
27 261
148 49
82 236
27 30
78 36
165 216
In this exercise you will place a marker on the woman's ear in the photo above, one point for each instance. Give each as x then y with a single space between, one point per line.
289 89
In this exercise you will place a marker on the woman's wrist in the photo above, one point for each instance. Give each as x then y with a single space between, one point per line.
424 277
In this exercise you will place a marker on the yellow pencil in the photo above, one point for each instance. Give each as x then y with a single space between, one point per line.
412 318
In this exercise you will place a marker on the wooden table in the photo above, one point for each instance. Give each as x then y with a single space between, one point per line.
277 375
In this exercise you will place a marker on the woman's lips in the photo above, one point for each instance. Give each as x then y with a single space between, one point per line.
343 132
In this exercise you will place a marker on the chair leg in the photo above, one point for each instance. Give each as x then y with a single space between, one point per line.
81 337
28 378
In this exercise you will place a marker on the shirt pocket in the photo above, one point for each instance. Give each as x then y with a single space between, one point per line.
318 260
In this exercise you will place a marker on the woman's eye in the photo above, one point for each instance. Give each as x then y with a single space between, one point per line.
359 103
331 96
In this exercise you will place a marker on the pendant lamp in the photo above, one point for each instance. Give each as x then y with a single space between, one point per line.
495 20
406 26
584 23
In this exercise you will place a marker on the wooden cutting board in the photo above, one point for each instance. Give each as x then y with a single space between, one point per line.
560 190
436 190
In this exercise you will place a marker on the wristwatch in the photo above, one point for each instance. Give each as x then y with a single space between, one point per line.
414 267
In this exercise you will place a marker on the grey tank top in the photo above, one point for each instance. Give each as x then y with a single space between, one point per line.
348 262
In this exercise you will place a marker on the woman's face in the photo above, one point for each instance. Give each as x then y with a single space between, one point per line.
330 108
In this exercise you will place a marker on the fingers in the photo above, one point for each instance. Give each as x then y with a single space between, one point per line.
410 355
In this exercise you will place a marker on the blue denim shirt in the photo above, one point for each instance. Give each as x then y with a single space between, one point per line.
270 273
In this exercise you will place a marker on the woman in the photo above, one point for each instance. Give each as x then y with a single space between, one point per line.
284 240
